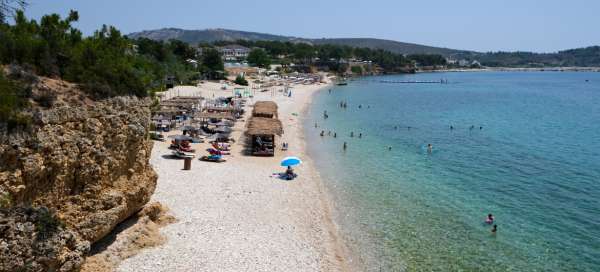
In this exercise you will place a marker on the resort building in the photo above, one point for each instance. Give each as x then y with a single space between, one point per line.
234 52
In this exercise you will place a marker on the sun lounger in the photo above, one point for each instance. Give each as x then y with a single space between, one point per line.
183 155
212 158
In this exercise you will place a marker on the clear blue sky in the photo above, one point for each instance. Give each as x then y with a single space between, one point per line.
509 25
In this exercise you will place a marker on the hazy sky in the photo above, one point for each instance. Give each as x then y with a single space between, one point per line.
509 25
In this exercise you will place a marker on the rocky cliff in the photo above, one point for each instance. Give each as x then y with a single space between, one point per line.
66 183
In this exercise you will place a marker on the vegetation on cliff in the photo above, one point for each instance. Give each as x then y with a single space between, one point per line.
106 63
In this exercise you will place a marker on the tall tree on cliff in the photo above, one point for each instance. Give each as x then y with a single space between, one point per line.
9 7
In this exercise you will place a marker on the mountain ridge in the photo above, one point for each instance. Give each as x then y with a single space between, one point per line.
580 57
222 34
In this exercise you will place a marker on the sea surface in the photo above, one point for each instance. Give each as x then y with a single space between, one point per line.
525 146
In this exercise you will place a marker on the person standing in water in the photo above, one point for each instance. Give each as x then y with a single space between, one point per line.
351 133
360 135
334 135
345 146
322 133
489 219
494 229
429 148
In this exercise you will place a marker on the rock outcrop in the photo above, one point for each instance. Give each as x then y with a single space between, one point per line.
88 165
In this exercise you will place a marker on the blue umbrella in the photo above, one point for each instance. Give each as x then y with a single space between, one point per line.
290 161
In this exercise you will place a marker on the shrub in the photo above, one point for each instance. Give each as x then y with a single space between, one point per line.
46 223
5 200
240 80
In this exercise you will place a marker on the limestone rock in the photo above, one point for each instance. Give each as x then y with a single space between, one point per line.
88 163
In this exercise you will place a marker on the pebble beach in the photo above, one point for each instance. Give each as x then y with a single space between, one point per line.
235 216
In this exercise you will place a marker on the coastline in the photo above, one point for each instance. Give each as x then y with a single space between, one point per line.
515 69
235 216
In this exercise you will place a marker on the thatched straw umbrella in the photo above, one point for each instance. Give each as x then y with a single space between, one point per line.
267 109
262 132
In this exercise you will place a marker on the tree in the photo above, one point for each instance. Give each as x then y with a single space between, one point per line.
9 7
259 57
212 63
240 80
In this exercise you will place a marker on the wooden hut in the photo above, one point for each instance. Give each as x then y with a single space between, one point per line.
266 109
262 132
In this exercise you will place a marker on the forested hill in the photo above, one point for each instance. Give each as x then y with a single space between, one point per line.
585 57
212 35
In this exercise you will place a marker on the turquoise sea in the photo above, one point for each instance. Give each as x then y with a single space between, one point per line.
532 159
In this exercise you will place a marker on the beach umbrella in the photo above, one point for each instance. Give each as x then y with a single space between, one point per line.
188 128
181 137
223 129
219 136
290 161
223 123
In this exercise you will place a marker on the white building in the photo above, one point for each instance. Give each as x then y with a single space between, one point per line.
234 52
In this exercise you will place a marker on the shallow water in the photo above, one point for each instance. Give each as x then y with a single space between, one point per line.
534 164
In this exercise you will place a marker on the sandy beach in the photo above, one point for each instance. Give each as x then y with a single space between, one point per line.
235 216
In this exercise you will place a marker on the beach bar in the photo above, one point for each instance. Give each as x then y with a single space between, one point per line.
266 109
261 133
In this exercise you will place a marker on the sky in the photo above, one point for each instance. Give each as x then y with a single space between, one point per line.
501 25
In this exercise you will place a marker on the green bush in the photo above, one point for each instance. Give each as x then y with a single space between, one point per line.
5 200
47 224
240 80
13 98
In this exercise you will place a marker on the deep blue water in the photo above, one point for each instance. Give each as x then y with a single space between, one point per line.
534 164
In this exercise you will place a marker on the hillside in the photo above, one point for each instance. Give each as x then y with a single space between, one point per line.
584 57
392 46
211 35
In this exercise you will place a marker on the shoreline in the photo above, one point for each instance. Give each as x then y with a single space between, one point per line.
238 217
